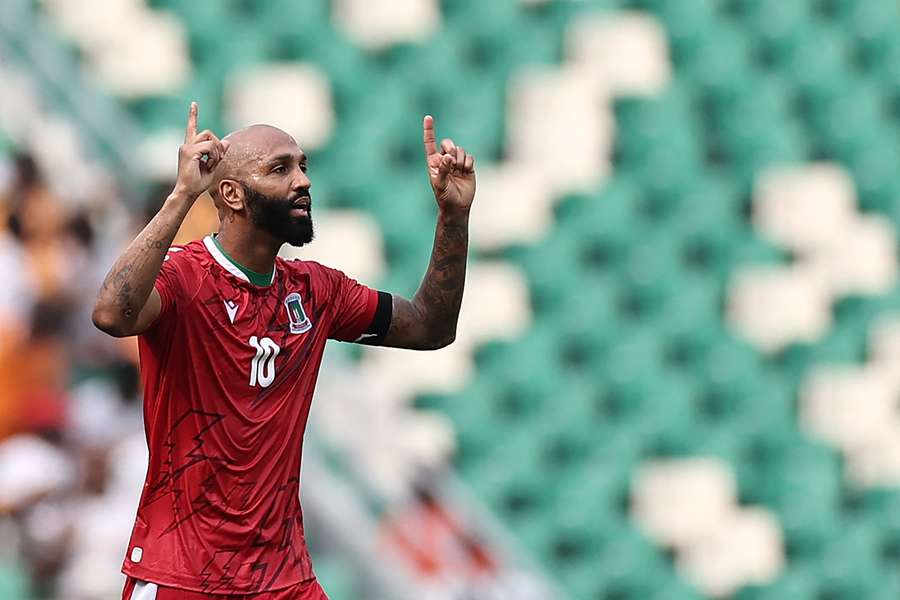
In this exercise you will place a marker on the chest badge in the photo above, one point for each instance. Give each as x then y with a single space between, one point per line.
300 323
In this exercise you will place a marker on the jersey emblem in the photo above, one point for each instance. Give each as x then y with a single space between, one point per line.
231 308
300 323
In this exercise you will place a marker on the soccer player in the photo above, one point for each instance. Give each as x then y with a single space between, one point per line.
231 337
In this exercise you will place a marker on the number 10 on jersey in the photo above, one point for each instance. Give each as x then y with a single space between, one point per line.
262 367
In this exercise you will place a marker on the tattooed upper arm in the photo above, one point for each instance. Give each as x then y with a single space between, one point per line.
408 328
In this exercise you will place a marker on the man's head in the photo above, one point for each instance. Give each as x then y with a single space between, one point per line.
262 181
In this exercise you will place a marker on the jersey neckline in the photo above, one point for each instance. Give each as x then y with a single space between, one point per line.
234 267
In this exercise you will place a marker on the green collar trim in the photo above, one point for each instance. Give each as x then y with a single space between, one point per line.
257 279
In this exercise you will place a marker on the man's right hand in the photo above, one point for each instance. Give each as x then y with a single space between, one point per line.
194 173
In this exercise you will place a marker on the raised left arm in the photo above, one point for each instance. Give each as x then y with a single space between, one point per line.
428 321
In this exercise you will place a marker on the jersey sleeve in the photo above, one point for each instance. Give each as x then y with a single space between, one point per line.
169 285
354 307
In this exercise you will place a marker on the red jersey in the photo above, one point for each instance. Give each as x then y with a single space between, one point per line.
228 370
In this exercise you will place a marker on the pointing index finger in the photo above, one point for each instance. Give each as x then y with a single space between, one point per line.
428 135
191 130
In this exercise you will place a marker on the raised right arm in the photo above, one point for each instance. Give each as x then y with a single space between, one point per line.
128 302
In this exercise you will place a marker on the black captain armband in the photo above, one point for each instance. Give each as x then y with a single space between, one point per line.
381 322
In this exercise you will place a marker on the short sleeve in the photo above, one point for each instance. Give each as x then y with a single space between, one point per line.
354 307
168 284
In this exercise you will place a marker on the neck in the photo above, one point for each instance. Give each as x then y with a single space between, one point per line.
253 250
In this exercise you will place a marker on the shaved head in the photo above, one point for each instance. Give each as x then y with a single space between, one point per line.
249 149
262 179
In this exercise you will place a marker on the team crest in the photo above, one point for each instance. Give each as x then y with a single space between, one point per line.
300 323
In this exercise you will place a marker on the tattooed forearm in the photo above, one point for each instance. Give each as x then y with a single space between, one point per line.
130 281
429 320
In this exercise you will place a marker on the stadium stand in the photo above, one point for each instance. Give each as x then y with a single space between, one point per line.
676 371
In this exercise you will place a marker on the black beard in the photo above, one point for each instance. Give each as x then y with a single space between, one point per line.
273 215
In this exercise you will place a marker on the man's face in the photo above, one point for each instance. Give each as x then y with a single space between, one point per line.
277 196
287 218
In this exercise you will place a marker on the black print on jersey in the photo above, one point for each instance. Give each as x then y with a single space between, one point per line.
175 466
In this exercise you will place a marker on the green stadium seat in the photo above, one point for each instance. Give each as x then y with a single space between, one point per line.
685 22
720 59
582 581
601 229
475 120
296 18
733 375
576 319
525 374
873 23
353 74
159 113
506 477
887 586
652 278
605 212
502 11
589 498
435 68
649 121
884 64
759 99
850 121
535 535
844 345
337 576
773 22
873 173
560 15
632 361
676 589
576 540
668 412
709 251
631 565
796 583
816 61
848 565
198 18
222 57
14 582
550 257
688 335
794 475
473 415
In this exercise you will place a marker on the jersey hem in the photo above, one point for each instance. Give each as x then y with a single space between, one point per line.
166 579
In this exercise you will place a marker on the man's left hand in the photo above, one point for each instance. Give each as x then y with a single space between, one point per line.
451 171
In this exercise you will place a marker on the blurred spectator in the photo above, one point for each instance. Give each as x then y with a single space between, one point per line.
202 218
34 374
437 544
72 456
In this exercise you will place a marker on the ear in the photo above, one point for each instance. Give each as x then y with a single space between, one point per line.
232 194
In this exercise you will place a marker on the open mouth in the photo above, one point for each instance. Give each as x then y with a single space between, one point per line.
301 207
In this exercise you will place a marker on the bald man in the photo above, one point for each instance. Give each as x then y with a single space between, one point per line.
231 337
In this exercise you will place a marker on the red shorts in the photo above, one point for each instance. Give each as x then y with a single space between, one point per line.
140 590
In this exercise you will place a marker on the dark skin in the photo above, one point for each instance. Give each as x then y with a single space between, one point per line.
269 161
